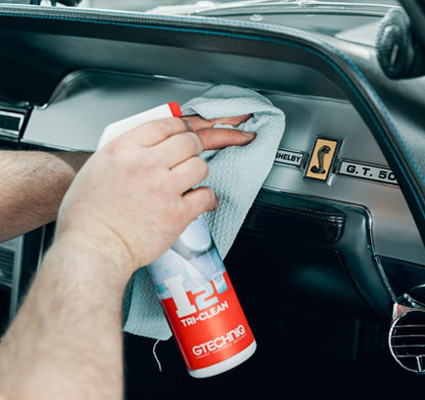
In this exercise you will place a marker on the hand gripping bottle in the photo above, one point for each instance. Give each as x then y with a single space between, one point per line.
194 288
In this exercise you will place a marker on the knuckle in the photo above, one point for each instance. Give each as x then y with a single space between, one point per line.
190 141
206 136
130 159
208 198
162 127
123 152
177 212
185 140
134 158
201 166
204 131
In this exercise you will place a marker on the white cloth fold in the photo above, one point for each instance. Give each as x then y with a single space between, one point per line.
236 176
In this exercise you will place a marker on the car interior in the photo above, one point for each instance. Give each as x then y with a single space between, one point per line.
329 265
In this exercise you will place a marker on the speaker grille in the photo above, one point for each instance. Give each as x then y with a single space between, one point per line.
407 341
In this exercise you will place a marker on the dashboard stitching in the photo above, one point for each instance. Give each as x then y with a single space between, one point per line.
277 41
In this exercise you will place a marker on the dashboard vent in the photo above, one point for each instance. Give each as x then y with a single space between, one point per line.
7 257
407 341
11 123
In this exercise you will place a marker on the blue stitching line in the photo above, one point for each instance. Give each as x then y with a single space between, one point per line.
277 41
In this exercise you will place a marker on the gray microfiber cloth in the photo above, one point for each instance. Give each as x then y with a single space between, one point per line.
236 176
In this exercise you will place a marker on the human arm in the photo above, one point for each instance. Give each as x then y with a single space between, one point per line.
33 184
66 340
127 205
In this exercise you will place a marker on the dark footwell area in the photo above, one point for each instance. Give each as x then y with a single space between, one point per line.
279 369
310 342
302 356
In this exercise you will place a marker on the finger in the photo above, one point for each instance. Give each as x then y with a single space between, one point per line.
197 122
179 148
188 174
155 132
219 138
200 200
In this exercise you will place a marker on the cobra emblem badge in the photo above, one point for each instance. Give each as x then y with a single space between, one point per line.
322 158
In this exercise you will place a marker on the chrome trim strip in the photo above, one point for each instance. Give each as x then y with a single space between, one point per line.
369 166
384 278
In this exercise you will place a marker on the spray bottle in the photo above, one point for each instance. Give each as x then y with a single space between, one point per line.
194 288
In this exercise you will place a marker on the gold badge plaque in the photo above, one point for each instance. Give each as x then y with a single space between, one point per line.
322 159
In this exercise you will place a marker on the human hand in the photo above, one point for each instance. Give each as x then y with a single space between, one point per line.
219 138
131 199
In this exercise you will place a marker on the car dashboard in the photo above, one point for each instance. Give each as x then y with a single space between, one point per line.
99 98
344 239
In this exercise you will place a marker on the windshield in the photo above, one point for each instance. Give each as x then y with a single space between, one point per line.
192 6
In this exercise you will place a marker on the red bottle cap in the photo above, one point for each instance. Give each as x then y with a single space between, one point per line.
175 109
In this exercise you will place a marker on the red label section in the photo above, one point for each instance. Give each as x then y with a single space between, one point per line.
213 334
